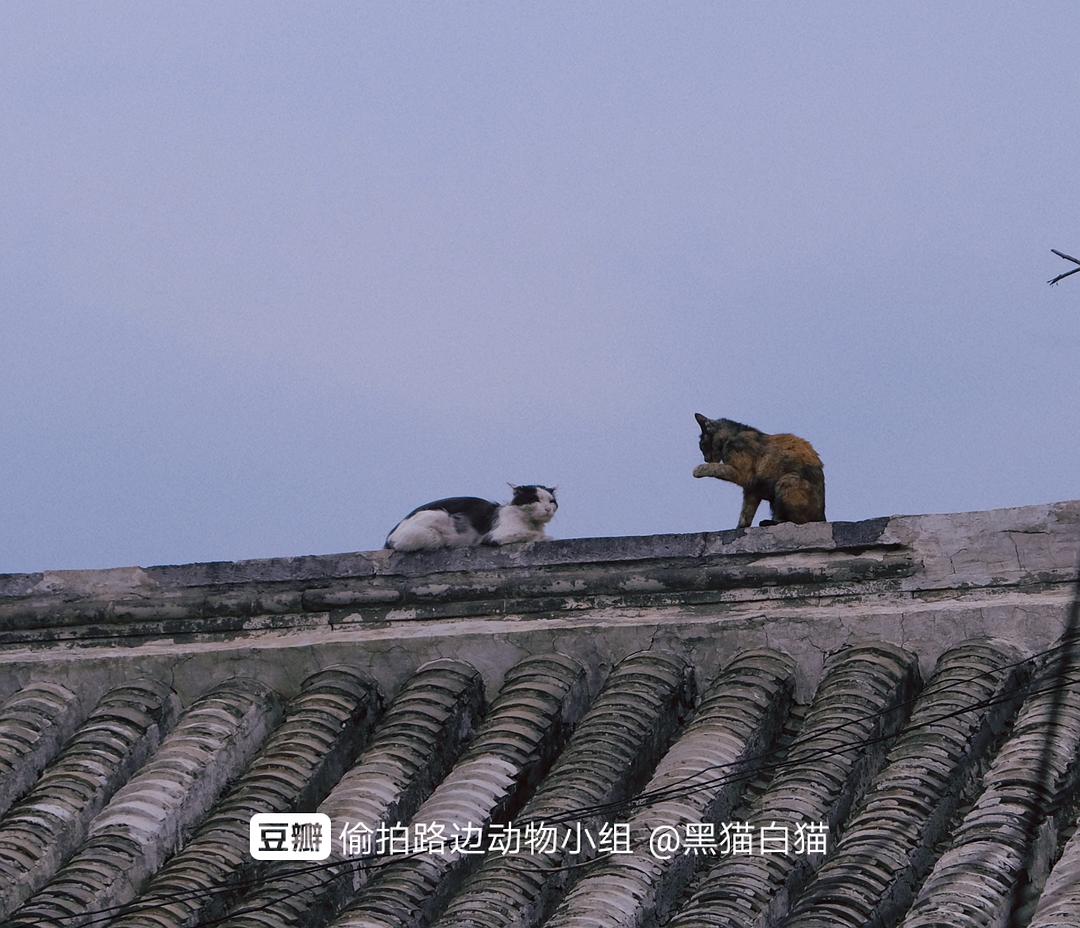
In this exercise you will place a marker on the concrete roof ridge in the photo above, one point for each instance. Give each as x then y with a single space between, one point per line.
998 547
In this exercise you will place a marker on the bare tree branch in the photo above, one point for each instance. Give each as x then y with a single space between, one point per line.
1075 270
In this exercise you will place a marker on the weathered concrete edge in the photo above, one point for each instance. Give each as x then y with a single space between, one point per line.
363 564
1034 544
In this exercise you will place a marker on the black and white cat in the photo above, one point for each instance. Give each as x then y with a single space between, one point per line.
468 520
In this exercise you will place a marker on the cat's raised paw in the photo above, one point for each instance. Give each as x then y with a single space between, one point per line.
702 470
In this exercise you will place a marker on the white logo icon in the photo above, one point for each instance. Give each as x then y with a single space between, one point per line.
290 836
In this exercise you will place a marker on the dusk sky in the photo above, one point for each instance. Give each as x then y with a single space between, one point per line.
274 274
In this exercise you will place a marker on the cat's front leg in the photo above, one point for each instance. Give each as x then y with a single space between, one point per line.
749 507
513 537
720 471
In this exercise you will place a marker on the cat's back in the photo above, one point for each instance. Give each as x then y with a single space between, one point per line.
791 452
472 506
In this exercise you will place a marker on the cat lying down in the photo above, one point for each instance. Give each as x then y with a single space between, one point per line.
468 520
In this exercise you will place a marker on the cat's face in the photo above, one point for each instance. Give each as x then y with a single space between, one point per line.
712 438
538 502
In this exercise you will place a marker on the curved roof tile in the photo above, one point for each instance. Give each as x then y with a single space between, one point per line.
34 723
325 725
42 830
526 727
973 882
417 739
861 701
719 763
613 749
146 819
697 780
1059 905
887 846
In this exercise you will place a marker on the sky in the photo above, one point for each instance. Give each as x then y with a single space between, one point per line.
273 274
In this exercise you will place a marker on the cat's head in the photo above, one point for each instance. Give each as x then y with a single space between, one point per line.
537 501
714 433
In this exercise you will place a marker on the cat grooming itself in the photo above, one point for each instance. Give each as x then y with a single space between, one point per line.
784 469
460 521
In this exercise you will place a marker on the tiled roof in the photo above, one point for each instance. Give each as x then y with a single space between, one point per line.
931 769
33 725
924 789
323 728
628 728
51 822
895 684
862 700
1033 779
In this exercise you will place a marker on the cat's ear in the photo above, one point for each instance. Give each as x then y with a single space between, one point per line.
513 486
704 421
